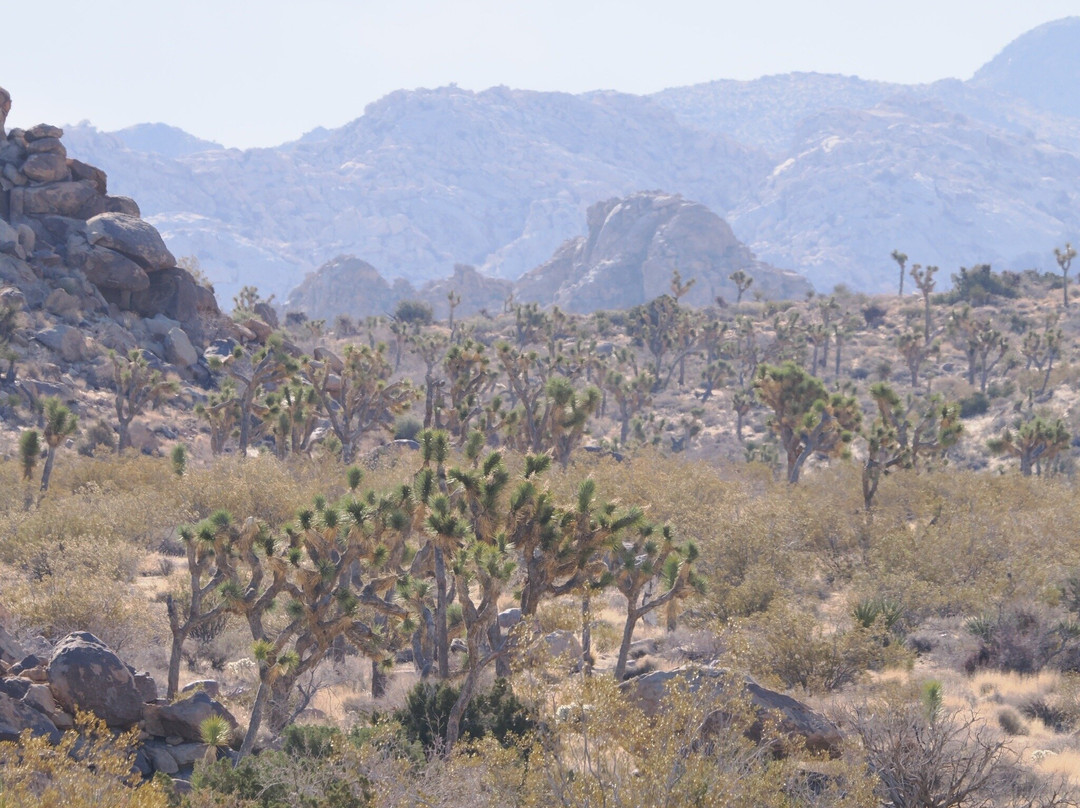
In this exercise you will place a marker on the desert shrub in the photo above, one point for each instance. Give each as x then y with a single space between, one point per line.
413 312
1011 723
90 767
310 740
407 427
975 404
789 647
1025 638
497 713
97 435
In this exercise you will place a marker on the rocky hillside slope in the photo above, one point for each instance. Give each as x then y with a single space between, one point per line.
81 273
821 174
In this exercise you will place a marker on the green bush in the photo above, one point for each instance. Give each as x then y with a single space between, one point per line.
498 713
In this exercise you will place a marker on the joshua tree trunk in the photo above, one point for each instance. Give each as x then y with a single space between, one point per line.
586 634
46 473
442 644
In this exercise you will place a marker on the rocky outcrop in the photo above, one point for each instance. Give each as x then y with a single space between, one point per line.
782 714
632 247
84 674
478 293
346 285
90 261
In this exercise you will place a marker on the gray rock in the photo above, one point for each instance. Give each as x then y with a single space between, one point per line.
791 717
160 325
146 686
108 269
133 237
186 754
183 717
62 339
47 145
122 204
179 350
27 238
161 757
172 292
143 764
211 687
15 717
9 239
10 651
63 304
43 130
61 198
509 618
85 674
81 171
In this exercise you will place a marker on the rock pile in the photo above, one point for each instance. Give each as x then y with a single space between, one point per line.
88 258
84 674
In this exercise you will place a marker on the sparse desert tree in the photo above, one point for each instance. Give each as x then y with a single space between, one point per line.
253 374
58 424
361 397
806 417
901 259
1064 261
138 386
650 569
1040 349
221 413
902 434
924 280
742 282
915 351
1033 443
10 319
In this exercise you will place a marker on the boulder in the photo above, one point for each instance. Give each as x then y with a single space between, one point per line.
211 687
563 643
60 198
171 292
265 312
9 240
160 757
85 674
792 718
15 717
41 699
133 237
330 358
179 350
509 618
122 204
108 269
62 339
47 145
10 651
261 330
81 171
146 686
45 167
42 130
63 304
182 718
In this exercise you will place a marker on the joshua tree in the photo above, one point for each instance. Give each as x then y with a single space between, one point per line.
1041 349
359 396
252 375
924 279
649 558
806 417
59 424
915 352
29 452
742 283
678 288
1033 443
901 259
9 321
137 387
901 435
1064 261
221 412
453 300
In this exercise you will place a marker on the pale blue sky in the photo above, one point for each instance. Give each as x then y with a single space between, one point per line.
247 73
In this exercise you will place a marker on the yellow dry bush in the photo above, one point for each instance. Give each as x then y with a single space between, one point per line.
89 768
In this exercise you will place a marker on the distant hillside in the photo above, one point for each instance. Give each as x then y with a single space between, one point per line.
820 174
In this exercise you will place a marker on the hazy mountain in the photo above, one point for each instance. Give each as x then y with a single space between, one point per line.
821 174
1041 67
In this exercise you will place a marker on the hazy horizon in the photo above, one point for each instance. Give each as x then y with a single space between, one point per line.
223 74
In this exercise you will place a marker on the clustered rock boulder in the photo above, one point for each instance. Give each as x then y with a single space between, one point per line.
82 673
87 258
